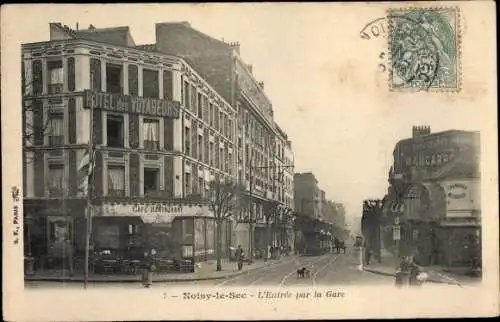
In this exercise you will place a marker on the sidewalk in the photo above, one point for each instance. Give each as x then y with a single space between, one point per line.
205 271
437 274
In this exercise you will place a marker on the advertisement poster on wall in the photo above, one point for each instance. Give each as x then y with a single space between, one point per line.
199 236
210 236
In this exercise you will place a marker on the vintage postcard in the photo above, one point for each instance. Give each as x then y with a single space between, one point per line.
249 161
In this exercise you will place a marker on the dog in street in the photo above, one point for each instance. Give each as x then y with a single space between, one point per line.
303 273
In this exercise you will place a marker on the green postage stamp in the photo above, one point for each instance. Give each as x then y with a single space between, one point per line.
424 47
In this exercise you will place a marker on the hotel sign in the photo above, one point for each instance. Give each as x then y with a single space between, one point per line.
131 104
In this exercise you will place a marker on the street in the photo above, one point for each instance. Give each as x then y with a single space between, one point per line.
329 269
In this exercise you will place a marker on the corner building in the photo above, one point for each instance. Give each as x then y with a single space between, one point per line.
161 133
435 197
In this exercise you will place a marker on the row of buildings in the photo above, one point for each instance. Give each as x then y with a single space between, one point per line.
167 118
314 212
433 206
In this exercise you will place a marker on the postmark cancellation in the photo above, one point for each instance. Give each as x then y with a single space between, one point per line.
424 49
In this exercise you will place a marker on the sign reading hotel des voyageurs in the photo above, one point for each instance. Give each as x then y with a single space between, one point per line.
131 104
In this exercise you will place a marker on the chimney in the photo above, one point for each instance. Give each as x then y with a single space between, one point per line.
77 26
235 46
261 84
420 130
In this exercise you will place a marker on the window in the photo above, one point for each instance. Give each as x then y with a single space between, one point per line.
56 180
200 106
216 118
187 184
230 129
151 184
114 124
187 141
200 147
221 159
113 78
211 114
193 97
56 129
55 70
201 186
151 132
95 74
186 95
116 181
150 84
212 154
133 80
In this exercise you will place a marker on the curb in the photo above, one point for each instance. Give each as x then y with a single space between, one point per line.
138 279
373 271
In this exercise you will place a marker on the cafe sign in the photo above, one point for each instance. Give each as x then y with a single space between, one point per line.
158 213
131 104
457 191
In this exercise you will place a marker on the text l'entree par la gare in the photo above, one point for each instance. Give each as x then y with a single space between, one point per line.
263 295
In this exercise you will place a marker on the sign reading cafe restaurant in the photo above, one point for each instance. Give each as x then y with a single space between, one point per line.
131 104
157 213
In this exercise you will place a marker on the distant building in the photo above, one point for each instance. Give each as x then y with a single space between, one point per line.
435 195
307 195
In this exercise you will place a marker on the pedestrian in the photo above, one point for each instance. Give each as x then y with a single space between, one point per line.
240 255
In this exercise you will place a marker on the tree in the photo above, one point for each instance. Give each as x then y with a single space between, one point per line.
224 201
370 224
31 129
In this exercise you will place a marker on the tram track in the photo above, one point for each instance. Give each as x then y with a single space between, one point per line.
310 265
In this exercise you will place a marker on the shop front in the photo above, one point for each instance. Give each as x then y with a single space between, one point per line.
134 228
54 231
197 237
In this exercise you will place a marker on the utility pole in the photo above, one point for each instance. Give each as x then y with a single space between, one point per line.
90 183
250 225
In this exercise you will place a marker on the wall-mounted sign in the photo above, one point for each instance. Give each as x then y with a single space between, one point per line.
131 104
457 191
396 232
159 213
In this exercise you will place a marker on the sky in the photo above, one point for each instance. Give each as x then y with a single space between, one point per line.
325 83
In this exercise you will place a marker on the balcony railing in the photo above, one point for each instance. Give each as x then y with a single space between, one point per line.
55 88
151 145
116 192
56 140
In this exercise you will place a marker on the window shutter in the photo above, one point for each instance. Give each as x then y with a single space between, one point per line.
134 174
39 164
168 85
37 78
72 120
133 80
133 121
95 74
71 74
37 133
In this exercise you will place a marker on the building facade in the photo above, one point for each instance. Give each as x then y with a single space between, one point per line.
261 146
435 197
307 195
161 133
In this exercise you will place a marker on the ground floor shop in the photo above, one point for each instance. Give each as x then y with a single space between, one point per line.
444 243
55 232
